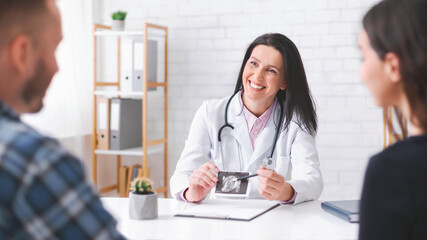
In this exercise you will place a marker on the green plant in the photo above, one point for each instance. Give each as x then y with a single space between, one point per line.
141 185
119 15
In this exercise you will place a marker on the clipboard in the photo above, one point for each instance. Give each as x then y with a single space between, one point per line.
228 209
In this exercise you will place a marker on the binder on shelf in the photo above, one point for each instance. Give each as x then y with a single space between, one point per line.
103 130
125 123
126 65
138 62
347 209
133 62
152 62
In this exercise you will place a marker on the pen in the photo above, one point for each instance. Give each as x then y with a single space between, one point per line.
246 177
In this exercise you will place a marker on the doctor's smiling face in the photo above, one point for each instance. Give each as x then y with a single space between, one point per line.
262 77
272 68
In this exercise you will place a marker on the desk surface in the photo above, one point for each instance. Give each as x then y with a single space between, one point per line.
302 221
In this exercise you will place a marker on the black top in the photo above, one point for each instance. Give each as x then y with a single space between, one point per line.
394 196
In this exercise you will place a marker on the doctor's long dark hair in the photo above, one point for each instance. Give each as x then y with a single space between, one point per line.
296 98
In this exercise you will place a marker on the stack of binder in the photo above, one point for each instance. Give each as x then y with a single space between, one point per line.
132 57
119 123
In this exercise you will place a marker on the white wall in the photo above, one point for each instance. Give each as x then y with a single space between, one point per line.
67 111
207 40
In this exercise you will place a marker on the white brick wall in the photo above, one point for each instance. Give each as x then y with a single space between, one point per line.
207 40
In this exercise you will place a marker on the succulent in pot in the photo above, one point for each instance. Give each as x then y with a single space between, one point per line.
142 199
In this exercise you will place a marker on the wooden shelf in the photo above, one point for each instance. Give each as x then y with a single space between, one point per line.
119 93
138 151
156 84
130 33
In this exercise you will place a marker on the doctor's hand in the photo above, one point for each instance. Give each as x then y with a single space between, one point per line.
202 180
272 186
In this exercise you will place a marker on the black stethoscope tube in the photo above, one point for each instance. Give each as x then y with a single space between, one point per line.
226 117
232 127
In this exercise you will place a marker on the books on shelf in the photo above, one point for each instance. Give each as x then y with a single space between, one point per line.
127 175
133 172
123 173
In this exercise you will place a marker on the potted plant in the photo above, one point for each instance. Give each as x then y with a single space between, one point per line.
142 200
118 21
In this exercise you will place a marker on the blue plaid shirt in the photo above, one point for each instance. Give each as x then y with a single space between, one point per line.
43 190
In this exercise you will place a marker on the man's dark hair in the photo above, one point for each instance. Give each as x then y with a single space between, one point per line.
21 17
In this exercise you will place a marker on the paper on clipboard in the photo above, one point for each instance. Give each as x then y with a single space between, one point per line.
228 209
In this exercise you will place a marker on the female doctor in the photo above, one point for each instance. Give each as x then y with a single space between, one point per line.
267 126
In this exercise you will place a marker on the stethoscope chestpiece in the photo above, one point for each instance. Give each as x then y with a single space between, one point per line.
269 163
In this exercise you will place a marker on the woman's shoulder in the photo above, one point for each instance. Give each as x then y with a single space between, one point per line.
214 104
412 147
400 169
404 155
296 124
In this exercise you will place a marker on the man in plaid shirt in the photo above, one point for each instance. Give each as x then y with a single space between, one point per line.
43 190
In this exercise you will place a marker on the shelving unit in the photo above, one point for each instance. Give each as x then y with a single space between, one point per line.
148 146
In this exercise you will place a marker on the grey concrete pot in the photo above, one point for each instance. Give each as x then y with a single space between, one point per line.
143 206
118 25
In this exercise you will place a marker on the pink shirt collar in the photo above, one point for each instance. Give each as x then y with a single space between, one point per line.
251 118
255 124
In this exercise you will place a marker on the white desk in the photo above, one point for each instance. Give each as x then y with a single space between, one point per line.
303 221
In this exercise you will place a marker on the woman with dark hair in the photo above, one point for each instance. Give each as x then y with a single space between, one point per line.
394 46
267 126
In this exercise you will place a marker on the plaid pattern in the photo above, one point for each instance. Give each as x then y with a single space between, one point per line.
43 190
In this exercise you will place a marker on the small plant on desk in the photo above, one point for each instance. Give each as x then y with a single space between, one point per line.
142 200
141 185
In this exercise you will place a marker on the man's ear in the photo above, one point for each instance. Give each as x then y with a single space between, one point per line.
392 67
20 51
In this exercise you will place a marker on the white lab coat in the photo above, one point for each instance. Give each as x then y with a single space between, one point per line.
295 153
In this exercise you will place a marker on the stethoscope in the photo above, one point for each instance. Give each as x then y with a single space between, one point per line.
268 161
